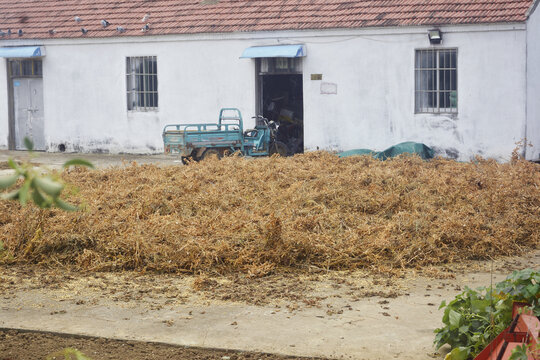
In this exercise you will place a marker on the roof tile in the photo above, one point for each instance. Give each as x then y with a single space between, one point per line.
37 17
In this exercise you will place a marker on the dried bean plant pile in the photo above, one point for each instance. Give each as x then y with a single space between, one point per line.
278 214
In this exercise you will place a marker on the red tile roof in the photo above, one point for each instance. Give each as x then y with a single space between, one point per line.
42 19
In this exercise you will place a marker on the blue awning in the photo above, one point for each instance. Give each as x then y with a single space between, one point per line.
288 51
22 51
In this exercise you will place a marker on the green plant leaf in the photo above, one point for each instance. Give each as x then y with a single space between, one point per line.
39 199
455 318
479 306
463 329
28 144
80 162
12 164
64 205
524 274
7 181
11 195
438 339
519 353
459 353
49 186
443 304
23 193
533 290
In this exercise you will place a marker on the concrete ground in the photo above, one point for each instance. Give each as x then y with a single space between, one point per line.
164 308
56 160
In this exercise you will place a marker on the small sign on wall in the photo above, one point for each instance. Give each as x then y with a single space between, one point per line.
329 88
316 76
16 83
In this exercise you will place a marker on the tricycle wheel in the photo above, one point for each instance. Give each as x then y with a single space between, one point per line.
186 159
277 147
208 153
226 152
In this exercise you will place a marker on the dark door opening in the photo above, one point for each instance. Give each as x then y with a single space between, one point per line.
281 99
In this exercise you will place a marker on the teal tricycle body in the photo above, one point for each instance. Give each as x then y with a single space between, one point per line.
227 136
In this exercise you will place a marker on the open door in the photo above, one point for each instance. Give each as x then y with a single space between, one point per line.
281 98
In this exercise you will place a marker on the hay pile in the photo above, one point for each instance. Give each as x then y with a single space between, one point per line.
255 216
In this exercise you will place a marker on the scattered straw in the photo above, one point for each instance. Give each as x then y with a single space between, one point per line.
256 216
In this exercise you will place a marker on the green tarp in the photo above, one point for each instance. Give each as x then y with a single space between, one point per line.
422 150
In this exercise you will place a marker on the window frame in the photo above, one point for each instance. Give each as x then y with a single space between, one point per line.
143 98
279 65
449 110
36 68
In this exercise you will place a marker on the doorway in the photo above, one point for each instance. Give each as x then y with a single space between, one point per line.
281 99
26 102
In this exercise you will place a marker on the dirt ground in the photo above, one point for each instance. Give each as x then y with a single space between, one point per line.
346 315
21 345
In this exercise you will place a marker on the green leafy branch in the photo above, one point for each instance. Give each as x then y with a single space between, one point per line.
43 189
475 317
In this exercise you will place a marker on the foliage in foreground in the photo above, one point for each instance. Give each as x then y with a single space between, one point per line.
474 318
43 189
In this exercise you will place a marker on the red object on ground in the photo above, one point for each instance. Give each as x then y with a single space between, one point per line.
525 329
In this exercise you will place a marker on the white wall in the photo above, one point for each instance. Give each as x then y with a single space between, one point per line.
374 107
4 112
85 92
533 85
85 95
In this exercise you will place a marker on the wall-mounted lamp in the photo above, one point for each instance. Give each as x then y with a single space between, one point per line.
435 36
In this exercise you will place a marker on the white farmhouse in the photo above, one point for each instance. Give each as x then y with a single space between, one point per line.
106 76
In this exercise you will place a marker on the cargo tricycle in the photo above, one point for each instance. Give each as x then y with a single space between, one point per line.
224 138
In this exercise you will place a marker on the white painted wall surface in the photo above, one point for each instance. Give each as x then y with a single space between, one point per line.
374 107
533 85
4 112
85 89
85 92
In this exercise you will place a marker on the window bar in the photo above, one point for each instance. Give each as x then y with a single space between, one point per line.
145 88
140 87
137 83
416 86
452 108
442 89
446 84
437 83
421 85
143 85
150 87
145 82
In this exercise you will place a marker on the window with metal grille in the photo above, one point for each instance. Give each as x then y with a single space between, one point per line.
25 68
141 77
280 66
436 81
